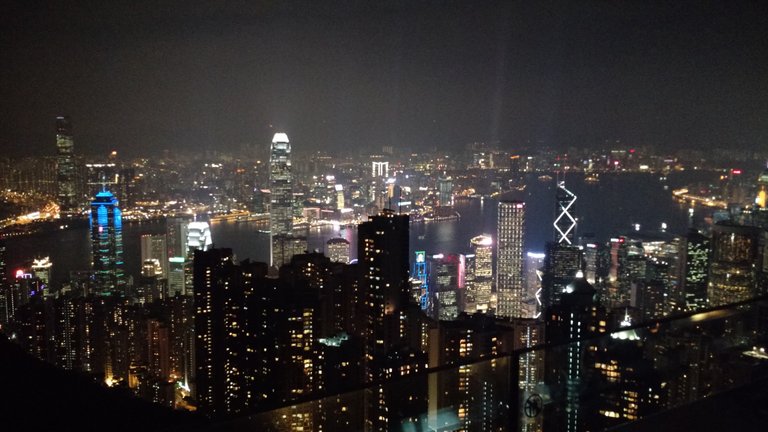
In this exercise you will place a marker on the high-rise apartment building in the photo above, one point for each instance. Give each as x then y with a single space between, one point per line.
509 259
220 304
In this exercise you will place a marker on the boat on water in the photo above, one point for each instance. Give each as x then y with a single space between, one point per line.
545 177
592 178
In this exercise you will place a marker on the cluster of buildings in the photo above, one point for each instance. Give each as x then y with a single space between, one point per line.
202 330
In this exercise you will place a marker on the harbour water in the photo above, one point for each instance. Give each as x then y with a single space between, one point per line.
606 208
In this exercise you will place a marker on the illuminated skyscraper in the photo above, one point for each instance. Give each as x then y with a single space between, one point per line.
41 268
732 272
446 282
337 249
155 247
563 258
761 201
509 259
281 187
565 222
379 169
107 244
66 169
198 237
481 284
445 191
285 246
696 271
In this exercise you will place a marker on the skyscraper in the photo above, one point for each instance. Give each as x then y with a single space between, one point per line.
337 249
696 271
155 247
66 170
509 259
481 284
565 222
107 244
761 200
281 187
563 258
732 272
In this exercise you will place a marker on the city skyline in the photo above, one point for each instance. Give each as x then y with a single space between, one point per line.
139 79
489 215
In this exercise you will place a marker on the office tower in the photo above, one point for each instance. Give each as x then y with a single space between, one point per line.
481 284
281 188
565 221
285 246
444 191
66 168
198 237
107 245
220 298
696 248
420 279
732 272
41 268
446 282
534 267
379 169
177 282
261 199
563 258
337 249
761 201
509 259
176 231
155 247
631 268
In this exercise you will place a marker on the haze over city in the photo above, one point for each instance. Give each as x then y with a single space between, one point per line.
142 77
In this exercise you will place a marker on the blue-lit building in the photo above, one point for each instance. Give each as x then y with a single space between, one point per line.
107 245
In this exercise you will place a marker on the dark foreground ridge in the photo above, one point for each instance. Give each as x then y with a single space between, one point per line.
39 397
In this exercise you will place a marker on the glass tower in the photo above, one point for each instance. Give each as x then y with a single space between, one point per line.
107 244
281 187
66 170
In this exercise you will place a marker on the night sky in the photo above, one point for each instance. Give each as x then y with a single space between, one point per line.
191 75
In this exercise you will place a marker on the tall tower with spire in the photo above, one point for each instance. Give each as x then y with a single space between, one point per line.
281 195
